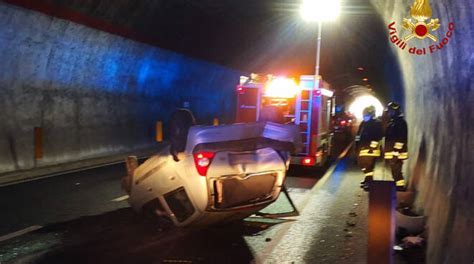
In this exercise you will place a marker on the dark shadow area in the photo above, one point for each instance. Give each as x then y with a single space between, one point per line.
122 236
339 143
302 171
420 167
393 79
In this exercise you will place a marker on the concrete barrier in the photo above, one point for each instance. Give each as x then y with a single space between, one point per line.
71 93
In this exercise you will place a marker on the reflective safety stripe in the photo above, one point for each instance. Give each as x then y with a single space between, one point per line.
374 144
369 155
400 183
390 155
369 173
403 155
365 152
398 145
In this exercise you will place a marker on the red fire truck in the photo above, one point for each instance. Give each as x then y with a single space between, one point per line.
306 104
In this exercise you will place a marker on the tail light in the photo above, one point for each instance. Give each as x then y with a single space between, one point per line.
308 161
203 160
343 122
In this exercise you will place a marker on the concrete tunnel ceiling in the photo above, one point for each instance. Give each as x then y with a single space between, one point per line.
435 89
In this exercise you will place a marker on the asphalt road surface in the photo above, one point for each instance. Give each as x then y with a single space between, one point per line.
84 217
89 208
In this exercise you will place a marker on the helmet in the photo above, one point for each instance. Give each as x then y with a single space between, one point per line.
394 108
370 110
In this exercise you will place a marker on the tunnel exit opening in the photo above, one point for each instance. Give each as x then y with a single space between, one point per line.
356 107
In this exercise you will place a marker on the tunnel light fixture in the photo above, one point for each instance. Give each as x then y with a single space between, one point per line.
320 10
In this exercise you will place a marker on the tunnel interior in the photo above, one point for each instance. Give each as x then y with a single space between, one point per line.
97 75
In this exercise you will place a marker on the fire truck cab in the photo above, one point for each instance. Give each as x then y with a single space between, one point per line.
307 104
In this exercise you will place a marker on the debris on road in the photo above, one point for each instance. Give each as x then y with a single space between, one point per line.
410 241
397 248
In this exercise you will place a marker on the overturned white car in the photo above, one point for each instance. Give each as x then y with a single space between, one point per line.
225 172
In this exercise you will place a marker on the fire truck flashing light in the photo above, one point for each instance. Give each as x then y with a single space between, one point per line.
281 87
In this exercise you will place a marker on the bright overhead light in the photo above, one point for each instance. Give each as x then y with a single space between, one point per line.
320 10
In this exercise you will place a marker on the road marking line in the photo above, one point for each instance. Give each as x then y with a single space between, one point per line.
121 198
278 236
20 232
325 177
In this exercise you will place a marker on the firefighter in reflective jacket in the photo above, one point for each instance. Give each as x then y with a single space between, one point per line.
368 144
396 143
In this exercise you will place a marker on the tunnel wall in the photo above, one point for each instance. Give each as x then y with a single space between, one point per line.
440 113
93 93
